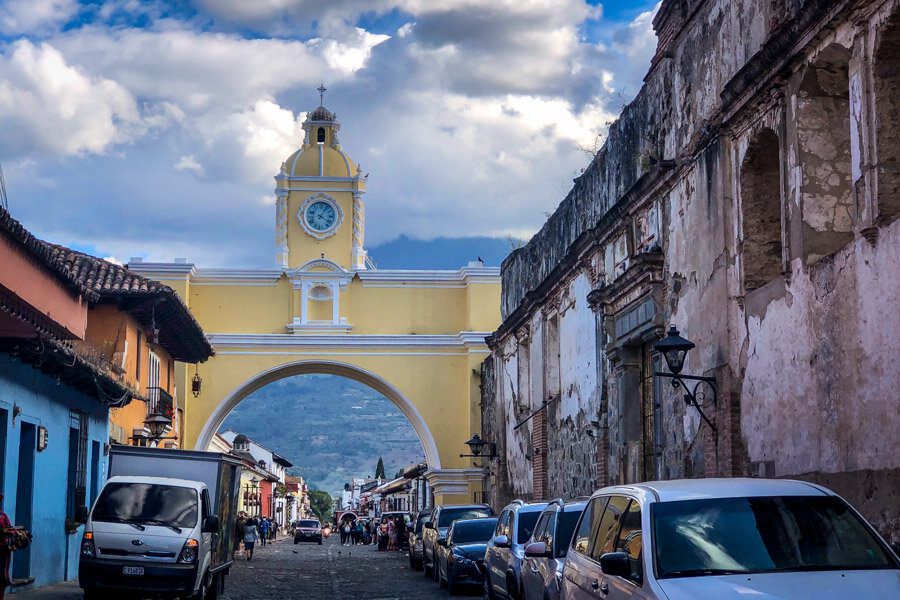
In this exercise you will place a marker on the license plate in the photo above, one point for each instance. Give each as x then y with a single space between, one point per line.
132 570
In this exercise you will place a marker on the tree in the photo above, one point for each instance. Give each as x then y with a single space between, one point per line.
379 470
321 504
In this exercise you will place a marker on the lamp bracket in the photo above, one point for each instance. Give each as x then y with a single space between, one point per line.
690 393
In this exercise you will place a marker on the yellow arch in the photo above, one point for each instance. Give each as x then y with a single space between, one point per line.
322 367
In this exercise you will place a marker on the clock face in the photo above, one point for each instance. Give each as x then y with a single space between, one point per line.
320 216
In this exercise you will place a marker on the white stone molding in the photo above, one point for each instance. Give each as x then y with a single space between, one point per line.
452 481
281 228
302 367
359 232
430 278
320 197
472 340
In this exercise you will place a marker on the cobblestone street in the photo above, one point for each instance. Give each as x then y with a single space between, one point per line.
309 572
328 571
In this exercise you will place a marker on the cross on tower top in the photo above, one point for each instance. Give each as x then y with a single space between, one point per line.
322 89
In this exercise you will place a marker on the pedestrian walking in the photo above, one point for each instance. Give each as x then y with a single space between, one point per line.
239 524
345 533
263 531
391 537
251 536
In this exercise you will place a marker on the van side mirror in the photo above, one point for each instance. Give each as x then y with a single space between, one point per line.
501 541
616 564
210 524
537 550
81 514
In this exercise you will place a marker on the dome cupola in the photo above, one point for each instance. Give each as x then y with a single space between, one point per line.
321 154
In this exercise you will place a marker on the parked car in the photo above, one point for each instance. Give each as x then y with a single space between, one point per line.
726 538
461 554
506 550
442 518
415 540
545 553
308 530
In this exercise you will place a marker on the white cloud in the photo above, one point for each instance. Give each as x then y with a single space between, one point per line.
48 105
189 163
469 118
34 16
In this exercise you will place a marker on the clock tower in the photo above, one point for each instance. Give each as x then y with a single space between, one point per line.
319 200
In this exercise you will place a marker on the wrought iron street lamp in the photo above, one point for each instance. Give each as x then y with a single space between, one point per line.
477 447
674 349
196 383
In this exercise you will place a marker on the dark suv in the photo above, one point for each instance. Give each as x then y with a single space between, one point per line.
308 530
506 551
442 518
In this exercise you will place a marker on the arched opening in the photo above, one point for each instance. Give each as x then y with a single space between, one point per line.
887 118
761 210
823 133
312 367
320 135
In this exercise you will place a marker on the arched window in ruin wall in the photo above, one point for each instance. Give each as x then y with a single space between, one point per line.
886 70
760 182
823 135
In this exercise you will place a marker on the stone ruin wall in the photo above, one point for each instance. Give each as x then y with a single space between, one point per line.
796 318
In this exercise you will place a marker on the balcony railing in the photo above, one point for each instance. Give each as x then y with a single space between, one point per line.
160 402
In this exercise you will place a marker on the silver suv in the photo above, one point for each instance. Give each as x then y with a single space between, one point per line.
545 554
506 551
724 539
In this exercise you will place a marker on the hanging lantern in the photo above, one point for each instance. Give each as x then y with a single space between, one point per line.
196 383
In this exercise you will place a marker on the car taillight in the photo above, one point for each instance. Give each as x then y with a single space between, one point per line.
87 545
189 552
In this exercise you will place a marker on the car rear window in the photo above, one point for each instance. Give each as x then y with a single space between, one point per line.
527 521
473 532
448 515
153 504
420 522
762 535
564 531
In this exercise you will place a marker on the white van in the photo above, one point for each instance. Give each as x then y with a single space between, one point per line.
149 536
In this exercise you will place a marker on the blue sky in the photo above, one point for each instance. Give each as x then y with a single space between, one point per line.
140 128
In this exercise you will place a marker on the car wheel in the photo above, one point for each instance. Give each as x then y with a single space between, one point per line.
442 578
435 569
203 591
487 592
453 587
425 566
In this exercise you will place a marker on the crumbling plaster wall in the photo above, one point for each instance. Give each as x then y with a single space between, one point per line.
806 363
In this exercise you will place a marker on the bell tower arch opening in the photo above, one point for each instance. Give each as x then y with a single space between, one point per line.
321 367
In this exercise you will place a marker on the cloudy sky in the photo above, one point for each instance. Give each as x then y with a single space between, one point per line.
142 128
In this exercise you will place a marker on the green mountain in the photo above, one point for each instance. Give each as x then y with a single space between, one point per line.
330 427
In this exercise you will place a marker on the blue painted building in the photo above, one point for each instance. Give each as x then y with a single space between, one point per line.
66 320
40 477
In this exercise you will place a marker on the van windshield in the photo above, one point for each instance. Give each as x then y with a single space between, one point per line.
147 503
312 524
724 536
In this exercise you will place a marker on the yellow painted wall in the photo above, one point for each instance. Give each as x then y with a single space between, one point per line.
439 378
